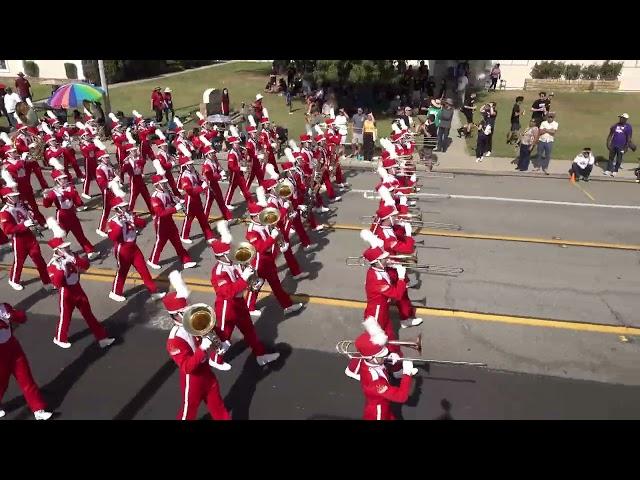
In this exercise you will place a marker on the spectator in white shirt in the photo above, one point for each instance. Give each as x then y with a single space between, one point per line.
548 129
582 165
341 126
11 99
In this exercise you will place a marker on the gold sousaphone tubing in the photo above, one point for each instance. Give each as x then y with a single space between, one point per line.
345 347
410 262
198 320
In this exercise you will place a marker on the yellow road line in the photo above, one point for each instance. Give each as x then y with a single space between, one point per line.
200 285
584 191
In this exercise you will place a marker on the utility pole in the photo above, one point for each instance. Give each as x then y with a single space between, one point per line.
103 81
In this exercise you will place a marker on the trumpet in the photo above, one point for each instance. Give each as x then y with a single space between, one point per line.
410 264
345 347
198 320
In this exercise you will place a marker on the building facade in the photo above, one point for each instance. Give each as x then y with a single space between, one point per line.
49 69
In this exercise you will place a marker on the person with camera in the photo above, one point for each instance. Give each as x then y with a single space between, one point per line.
540 108
582 165
618 142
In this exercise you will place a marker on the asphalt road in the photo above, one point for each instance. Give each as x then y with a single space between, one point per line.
544 333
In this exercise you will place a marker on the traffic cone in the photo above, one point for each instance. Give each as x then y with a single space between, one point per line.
573 178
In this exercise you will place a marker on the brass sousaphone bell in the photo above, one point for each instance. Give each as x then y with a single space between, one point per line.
284 188
269 216
244 253
198 320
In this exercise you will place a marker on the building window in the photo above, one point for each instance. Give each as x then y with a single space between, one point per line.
3 66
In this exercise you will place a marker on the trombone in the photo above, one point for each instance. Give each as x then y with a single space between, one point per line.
345 347
415 220
410 264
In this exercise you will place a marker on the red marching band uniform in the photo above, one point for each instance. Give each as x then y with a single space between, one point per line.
234 160
212 173
105 174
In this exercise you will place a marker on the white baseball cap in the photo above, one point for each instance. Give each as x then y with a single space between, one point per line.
624 115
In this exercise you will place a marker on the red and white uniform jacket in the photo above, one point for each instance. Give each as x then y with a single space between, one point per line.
88 151
190 183
266 140
12 218
379 394
18 171
395 239
233 162
184 350
64 198
64 271
211 171
227 281
134 167
22 143
163 207
380 289
123 229
104 174
259 236
208 134
166 163
9 315
252 149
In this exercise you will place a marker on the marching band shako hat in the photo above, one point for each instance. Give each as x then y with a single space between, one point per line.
223 244
286 166
8 192
102 154
176 302
372 342
389 163
253 208
305 137
385 211
375 252
156 179
269 183
319 138
128 146
58 240
58 174
233 140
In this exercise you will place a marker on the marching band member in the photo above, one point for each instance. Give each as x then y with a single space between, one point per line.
16 169
144 131
23 143
267 140
297 202
192 185
134 167
307 164
13 361
229 281
16 221
197 382
89 149
164 206
119 138
64 269
263 239
123 232
374 380
161 154
65 198
236 170
380 289
104 175
212 173
257 169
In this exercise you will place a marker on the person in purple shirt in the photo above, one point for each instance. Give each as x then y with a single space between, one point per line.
618 141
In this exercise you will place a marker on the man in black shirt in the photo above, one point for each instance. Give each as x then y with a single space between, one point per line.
540 108
516 112
467 109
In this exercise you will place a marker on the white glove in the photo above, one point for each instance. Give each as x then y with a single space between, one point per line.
223 175
275 233
293 215
413 178
243 169
204 184
284 247
28 223
274 145
402 271
407 367
407 229
206 344
302 208
394 357
261 156
65 144
403 200
286 205
179 207
247 273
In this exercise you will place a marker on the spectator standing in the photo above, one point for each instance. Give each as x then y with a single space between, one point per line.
291 74
23 87
3 92
435 110
225 102
540 108
157 103
495 75
484 131
548 129
168 104
490 113
528 140
516 113
446 117
463 83
340 124
431 87
582 165
618 141
368 137
11 99
357 122
423 76
443 88
468 107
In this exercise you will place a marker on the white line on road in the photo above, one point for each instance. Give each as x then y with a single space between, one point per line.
513 200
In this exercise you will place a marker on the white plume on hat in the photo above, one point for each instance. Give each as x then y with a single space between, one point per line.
55 228
87 112
271 171
234 131
184 150
265 113
114 185
29 102
8 179
332 113
204 140
261 196
55 163
318 130
289 154
292 144
159 134
376 334
403 125
113 118
223 230
179 285
177 121
130 138
371 238
80 125
51 115
47 130
252 121
158 167
200 116
385 195
308 130
395 128
5 138
382 172
136 114
98 143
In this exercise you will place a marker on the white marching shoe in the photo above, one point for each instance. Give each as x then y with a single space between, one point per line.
42 415
15 286
64 345
105 342
255 314
116 297
267 358
336 199
2 413
93 255
158 295
85 196
230 207
101 233
301 276
153 265
219 366
311 246
400 373
350 374
293 308
188 241
410 322
190 265
320 209
319 228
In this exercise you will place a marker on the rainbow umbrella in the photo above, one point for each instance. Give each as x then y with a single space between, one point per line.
72 95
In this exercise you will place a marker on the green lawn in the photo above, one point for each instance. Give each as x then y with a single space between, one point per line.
583 119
